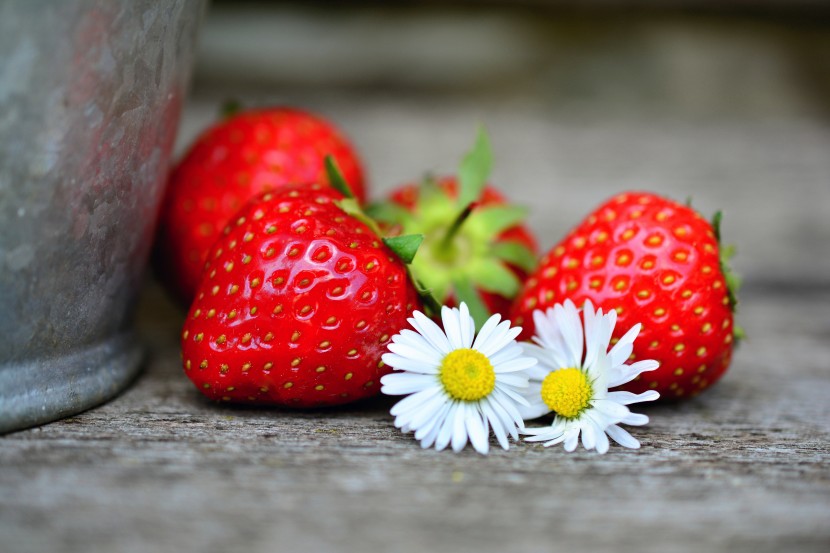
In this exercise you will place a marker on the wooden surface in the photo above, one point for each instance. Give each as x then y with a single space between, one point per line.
743 467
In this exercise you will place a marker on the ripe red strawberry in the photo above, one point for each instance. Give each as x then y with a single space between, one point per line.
247 154
475 247
298 302
655 262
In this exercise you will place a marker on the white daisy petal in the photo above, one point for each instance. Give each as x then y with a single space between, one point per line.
476 430
626 373
486 330
593 333
571 439
428 356
415 401
627 398
622 349
622 437
589 435
458 385
575 369
515 365
508 424
602 442
416 418
547 332
495 424
509 407
544 437
428 431
515 380
544 433
635 419
533 411
452 327
506 354
516 397
501 336
405 364
413 340
459 430
445 434
557 440
611 409
399 384
554 428
571 328
430 331
467 326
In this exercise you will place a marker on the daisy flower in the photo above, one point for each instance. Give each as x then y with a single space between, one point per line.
459 385
574 384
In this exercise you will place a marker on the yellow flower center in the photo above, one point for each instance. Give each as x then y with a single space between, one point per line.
567 392
467 375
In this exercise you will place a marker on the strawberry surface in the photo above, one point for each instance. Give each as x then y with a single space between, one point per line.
247 154
298 302
655 262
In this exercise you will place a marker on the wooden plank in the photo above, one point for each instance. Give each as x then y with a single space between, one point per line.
741 468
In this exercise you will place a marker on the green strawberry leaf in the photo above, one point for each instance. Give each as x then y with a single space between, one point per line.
733 280
716 221
338 182
230 107
493 220
516 254
388 212
351 207
738 334
464 291
492 276
474 170
405 247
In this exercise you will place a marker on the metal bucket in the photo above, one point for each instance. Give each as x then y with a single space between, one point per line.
90 95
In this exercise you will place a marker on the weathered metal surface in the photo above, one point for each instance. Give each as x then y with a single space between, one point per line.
90 94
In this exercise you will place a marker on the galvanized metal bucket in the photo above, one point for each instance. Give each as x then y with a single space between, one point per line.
90 94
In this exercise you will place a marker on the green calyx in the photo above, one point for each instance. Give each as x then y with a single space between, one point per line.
733 280
404 246
461 254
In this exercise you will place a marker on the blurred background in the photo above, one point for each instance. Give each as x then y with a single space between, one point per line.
726 102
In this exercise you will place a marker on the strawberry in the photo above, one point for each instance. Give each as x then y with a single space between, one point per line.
655 262
475 247
298 302
248 153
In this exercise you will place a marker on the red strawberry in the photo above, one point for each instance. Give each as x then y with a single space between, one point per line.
298 302
655 262
247 154
475 247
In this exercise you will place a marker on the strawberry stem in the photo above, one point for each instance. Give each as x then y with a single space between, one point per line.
230 107
445 246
